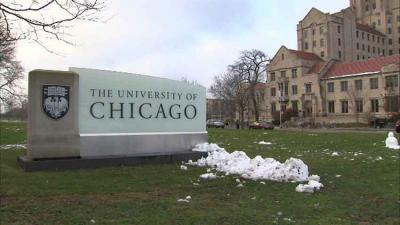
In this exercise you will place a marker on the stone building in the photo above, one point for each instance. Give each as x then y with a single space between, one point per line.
383 16
333 91
361 31
346 68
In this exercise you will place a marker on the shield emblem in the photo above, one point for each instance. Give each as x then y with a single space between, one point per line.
55 101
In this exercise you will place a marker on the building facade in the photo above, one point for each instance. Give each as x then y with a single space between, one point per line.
346 68
366 29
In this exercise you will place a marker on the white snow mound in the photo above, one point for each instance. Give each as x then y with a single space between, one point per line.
258 168
310 187
391 142
264 143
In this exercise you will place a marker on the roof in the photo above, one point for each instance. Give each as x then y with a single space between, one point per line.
368 29
316 68
359 67
305 55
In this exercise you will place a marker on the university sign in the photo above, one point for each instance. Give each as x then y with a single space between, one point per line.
96 114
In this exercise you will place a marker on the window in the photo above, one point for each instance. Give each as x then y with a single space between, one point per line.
273 107
305 33
308 88
273 92
363 47
358 57
294 73
392 103
345 106
379 39
373 83
374 5
322 42
340 54
339 42
272 76
294 89
338 29
383 52
305 45
379 22
357 33
313 32
398 18
295 106
321 30
283 74
362 35
359 105
390 52
366 8
283 56
392 81
343 85
374 105
284 89
368 48
322 54
368 37
331 87
314 43
331 107
373 38
358 46
389 30
390 42
373 49
389 20
358 84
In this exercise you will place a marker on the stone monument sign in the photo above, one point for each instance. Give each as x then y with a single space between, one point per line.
83 116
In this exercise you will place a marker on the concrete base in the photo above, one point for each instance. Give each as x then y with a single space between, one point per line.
97 162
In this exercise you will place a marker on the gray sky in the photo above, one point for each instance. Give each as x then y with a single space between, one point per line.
195 39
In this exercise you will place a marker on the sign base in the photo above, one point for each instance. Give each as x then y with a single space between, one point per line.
97 162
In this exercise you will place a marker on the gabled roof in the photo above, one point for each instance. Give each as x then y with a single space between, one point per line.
305 55
369 29
313 9
317 67
360 67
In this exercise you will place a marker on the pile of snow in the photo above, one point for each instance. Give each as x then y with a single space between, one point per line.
264 143
187 199
335 154
313 184
13 146
208 176
257 168
391 142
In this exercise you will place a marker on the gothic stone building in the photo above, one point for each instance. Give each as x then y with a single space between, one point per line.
333 91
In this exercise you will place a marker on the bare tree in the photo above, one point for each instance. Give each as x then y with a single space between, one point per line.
252 66
39 20
229 87
10 70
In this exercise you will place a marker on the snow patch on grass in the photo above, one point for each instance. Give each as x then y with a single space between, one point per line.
258 168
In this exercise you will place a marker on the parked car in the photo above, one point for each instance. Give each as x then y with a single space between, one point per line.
215 123
261 125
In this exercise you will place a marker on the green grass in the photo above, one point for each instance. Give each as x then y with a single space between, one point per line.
366 193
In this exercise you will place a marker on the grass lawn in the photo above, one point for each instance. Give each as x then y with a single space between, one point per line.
367 192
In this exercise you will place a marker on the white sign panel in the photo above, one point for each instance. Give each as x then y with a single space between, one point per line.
116 102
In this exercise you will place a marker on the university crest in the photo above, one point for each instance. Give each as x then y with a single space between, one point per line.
55 100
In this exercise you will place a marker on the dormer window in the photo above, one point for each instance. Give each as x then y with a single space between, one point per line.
283 56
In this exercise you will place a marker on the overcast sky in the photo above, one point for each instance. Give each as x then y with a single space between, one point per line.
195 39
